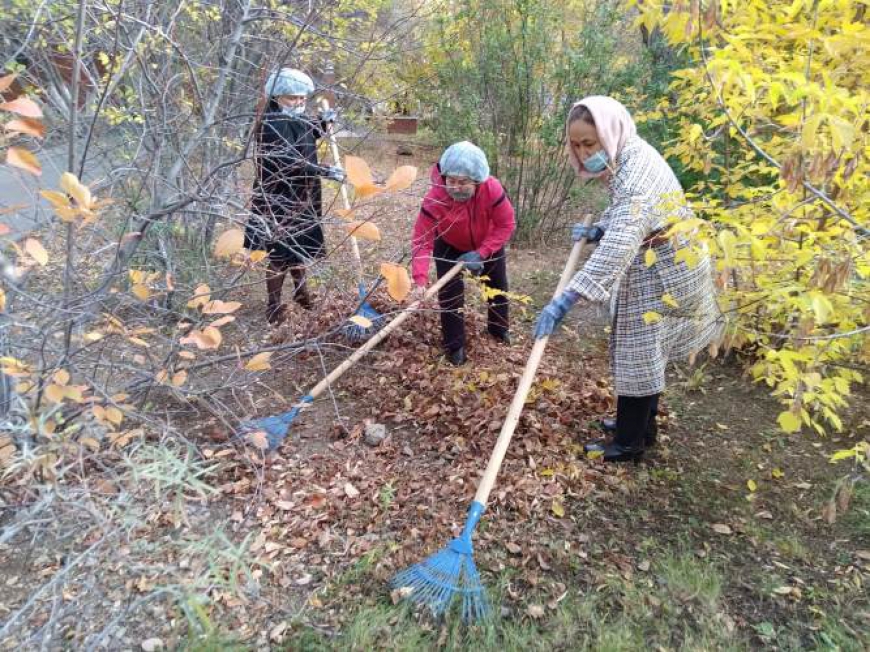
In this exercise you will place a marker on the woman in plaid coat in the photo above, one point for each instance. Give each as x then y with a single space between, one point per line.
661 312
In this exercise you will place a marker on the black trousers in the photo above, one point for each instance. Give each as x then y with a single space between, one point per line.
451 297
635 418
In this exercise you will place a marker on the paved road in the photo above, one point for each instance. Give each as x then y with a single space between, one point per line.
20 188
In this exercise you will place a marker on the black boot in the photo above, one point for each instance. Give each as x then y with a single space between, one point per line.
303 297
617 453
275 314
457 356
650 438
503 337
635 425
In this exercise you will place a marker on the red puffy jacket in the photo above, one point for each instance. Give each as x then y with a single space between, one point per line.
483 224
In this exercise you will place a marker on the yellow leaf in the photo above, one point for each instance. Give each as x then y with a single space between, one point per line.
99 412
842 133
401 178
257 256
398 281
28 126
811 126
361 321
55 393
557 508
13 367
201 296
651 317
67 213
179 378
21 158
217 307
226 319
22 106
358 172
141 292
187 355
114 415
751 484
259 362
36 251
346 213
161 376
668 300
822 307
2 300
777 473
61 377
367 191
80 192
212 334
209 338
90 442
76 393
229 244
650 257
57 199
789 422
365 230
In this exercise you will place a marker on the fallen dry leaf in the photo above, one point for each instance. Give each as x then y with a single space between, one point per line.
536 611
350 491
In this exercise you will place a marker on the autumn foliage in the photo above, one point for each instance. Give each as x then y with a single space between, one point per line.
772 122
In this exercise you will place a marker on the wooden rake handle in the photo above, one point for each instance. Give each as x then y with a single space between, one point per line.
382 334
336 157
528 377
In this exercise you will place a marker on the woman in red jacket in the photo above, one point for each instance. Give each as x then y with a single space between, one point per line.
466 216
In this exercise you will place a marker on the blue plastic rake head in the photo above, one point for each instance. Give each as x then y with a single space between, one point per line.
277 426
355 332
448 575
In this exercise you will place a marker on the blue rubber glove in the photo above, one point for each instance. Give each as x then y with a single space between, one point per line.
591 233
554 312
335 173
473 262
327 115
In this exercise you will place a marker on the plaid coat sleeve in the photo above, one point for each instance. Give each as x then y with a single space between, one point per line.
625 228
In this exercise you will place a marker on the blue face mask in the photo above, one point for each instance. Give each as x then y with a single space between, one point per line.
293 110
597 162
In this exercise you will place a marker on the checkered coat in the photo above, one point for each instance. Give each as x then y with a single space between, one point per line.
644 194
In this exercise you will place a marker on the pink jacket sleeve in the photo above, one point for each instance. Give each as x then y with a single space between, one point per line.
502 227
422 243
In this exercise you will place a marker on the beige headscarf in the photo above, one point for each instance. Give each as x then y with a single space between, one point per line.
614 126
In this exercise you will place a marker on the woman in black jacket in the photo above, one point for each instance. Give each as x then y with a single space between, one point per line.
286 204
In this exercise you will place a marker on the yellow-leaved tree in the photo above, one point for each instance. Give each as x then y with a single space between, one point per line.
773 122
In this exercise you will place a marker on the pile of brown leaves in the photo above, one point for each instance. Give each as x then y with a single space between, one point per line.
329 499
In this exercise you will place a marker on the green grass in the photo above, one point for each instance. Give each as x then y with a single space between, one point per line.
677 605
857 517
